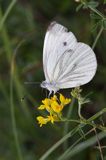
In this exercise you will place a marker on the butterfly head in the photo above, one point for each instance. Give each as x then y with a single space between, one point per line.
51 86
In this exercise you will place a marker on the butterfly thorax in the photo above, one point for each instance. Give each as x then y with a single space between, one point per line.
51 86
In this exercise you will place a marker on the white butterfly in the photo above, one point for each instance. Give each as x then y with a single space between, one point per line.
66 62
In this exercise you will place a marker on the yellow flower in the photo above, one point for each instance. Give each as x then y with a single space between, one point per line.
51 118
64 101
41 107
46 104
41 120
46 101
56 107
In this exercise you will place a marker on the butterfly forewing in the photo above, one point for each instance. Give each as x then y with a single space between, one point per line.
57 41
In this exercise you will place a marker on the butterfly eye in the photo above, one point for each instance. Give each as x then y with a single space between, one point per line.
64 43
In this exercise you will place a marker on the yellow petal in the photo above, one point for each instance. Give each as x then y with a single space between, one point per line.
41 120
56 107
48 108
46 101
54 98
64 100
50 118
53 118
41 107
46 104
67 101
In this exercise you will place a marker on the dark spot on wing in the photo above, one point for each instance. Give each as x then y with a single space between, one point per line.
64 43
51 25
70 51
74 66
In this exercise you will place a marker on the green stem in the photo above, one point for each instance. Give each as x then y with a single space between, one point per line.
96 126
89 121
71 133
66 126
7 13
97 12
97 37
82 146
101 29
5 38
76 129
70 120
79 110
94 10
97 115
8 51
99 145
13 116
64 155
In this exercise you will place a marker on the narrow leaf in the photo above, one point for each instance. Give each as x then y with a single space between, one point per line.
79 7
93 4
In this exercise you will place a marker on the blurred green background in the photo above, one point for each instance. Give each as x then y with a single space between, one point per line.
21 45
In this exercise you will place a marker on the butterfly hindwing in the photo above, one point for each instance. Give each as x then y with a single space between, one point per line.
76 67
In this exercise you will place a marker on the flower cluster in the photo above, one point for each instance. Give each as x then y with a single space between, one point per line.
54 107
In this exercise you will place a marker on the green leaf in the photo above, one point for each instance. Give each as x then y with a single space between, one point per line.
93 4
96 25
85 6
79 7
104 1
81 133
104 24
70 152
95 16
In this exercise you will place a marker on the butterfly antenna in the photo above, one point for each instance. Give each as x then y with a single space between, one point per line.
50 93
46 93
31 82
58 92
42 90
